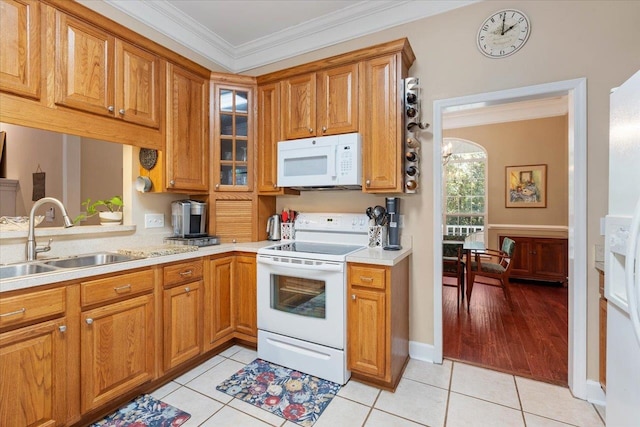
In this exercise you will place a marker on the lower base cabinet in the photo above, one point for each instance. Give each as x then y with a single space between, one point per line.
182 312
378 322
230 308
117 337
33 375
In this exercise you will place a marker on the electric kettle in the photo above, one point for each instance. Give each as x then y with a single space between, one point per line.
273 227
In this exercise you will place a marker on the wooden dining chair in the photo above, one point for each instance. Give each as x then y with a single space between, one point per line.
495 264
453 264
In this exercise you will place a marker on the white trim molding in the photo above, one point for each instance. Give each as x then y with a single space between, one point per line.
576 91
357 20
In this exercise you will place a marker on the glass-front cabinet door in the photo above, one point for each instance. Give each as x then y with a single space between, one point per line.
233 136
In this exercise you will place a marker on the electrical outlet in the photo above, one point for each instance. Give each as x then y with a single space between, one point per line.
153 220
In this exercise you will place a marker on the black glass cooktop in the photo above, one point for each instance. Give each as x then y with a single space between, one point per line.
316 248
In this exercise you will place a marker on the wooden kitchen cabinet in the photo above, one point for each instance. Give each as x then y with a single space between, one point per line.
298 103
232 125
33 359
182 312
230 300
218 307
539 258
100 74
245 294
322 103
378 322
20 47
381 125
117 337
238 217
187 145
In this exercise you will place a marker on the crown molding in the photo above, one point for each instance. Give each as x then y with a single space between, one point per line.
510 112
362 18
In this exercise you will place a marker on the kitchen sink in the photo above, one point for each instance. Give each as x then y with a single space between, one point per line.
90 260
11 271
24 269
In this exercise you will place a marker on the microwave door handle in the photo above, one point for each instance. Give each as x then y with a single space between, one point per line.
334 167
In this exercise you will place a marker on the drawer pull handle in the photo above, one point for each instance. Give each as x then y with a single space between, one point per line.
62 328
366 279
89 320
186 273
123 288
13 313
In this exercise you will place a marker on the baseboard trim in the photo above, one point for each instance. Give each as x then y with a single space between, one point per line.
595 394
421 351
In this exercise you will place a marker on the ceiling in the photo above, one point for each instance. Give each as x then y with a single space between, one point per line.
243 34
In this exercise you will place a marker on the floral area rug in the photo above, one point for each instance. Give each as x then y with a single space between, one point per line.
145 411
289 394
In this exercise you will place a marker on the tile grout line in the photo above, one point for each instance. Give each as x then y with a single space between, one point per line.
446 408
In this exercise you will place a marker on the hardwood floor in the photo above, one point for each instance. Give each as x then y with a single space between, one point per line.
530 341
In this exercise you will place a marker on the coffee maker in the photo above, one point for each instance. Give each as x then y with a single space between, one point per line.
189 218
393 212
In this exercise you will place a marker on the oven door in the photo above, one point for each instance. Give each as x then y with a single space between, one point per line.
303 299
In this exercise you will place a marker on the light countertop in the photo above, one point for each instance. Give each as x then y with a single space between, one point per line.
367 256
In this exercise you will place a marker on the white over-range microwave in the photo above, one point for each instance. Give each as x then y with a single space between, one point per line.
326 162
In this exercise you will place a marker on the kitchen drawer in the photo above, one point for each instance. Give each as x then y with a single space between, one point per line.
116 287
26 308
366 276
183 272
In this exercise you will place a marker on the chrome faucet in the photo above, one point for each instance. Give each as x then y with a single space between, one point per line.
32 248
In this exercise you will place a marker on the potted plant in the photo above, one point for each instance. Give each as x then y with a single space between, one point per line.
111 216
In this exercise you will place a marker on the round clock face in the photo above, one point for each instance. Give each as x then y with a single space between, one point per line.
503 33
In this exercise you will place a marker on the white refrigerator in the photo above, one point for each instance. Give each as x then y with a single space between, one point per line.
622 257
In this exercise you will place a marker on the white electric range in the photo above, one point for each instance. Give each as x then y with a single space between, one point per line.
302 294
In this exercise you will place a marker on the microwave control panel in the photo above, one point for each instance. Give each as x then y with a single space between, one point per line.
348 161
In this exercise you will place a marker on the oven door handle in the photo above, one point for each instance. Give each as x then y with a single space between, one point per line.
320 266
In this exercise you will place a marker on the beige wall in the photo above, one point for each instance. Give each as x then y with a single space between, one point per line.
527 142
564 44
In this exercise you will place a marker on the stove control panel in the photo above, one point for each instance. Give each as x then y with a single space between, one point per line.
338 222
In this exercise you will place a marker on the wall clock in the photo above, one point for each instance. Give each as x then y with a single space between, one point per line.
503 33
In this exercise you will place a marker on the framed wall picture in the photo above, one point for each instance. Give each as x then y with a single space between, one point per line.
526 186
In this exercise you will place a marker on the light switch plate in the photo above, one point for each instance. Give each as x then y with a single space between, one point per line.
153 220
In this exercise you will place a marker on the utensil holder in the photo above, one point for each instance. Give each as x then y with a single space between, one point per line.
287 231
377 236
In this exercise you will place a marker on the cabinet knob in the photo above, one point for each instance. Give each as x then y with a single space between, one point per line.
275 185
217 186
187 290
353 297
89 320
121 111
62 328
324 129
110 108
172 182
367 182
310 130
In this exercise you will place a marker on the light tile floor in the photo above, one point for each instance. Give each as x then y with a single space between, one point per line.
451 394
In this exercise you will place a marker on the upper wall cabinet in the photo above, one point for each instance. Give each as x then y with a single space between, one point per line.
187 146
99 74
20 47
233 136
322 103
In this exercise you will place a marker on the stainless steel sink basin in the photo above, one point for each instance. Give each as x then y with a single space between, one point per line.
24 269
90 260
